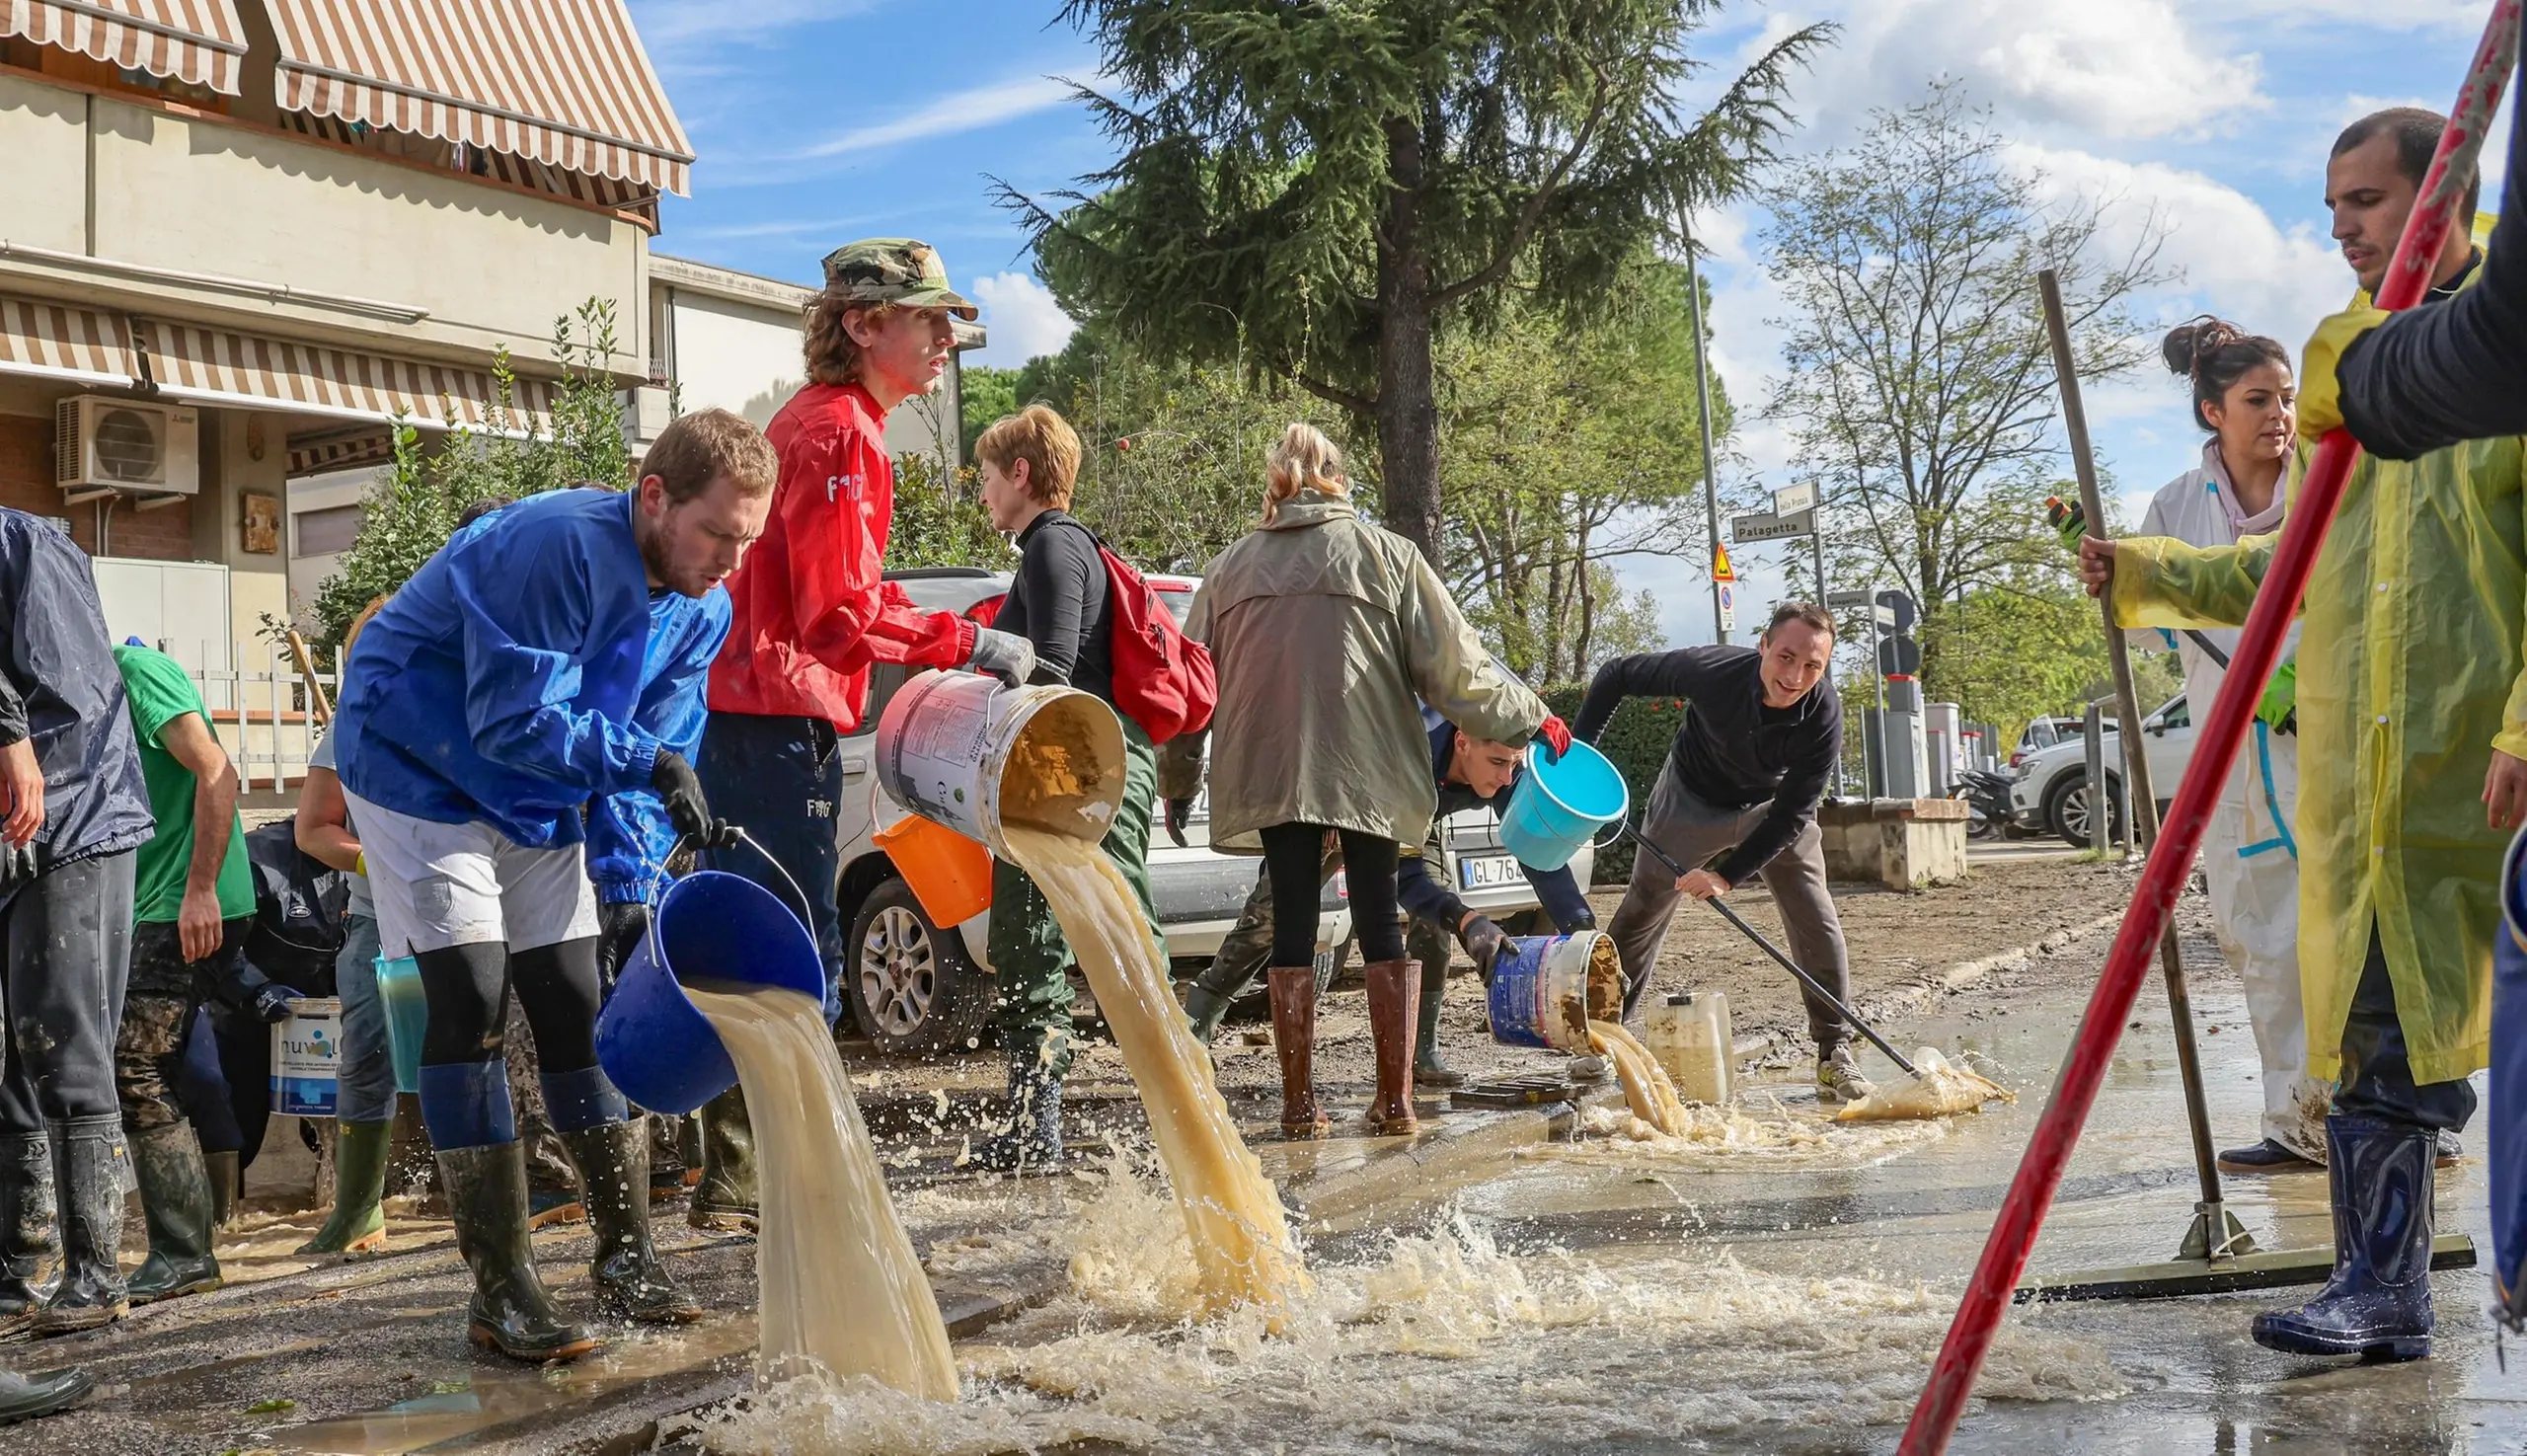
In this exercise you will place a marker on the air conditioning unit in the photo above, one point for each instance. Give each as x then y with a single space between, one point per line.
103 444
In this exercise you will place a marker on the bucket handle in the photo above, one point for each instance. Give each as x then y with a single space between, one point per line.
653 893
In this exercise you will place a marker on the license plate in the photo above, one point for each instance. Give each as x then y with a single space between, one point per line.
1490 871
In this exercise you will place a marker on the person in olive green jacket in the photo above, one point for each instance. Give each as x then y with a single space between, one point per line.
1328 635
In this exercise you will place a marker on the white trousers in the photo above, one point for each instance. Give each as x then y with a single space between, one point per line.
2251 864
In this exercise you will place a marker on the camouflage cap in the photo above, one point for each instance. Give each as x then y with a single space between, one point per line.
894 270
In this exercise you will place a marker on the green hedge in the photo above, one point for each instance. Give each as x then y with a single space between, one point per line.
1636 739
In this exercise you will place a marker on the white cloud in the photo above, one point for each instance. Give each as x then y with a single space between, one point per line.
970 109
2118 68
692 26
1023 318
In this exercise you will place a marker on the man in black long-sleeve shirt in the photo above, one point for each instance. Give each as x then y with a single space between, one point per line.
1737 798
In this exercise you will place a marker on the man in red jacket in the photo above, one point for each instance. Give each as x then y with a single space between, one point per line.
813 615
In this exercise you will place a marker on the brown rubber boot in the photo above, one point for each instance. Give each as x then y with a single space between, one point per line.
1395 1004
1294 990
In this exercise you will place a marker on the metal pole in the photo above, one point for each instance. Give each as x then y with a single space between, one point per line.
2214 1232
1710 481
1817 540
2215 752
2094 793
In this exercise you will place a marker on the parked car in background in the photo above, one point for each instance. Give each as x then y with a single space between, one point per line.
2051 792
914 988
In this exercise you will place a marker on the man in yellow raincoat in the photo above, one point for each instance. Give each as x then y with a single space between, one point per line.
2413 752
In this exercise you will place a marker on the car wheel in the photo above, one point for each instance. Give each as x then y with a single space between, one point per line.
913 989
2066 808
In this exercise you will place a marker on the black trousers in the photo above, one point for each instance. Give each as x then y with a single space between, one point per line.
1294 858
67 940
2377 1075
780 779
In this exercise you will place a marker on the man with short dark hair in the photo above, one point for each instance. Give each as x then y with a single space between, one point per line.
507 686
2412 761
1737 798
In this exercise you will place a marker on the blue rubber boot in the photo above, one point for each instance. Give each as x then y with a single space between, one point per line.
2378 1302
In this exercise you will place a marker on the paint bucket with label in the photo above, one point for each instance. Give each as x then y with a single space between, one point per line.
964 751
307 1057
1545 989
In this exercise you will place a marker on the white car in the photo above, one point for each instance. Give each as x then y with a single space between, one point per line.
2051 792
914 990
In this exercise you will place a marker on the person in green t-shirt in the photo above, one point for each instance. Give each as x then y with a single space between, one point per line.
194 901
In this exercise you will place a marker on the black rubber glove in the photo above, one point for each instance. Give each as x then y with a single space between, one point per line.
1179 812
619 929
680 790
1482 940
1004 654
271 1001
1586 919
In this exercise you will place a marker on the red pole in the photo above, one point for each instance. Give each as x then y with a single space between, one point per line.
2039 1172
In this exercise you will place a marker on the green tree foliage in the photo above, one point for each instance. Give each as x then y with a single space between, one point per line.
1919 390
411 506
985 394
939 519
1321 188
1571 446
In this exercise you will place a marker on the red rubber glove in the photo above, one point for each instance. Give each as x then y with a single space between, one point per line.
1556 734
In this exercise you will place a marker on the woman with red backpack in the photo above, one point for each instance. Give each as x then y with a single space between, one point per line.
1062 602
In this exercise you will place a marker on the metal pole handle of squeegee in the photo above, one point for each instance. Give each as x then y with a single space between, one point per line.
2039 1172
2144 813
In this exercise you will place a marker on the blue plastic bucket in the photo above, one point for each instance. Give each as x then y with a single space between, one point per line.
1561 806
1545 988
656 1047
408 1016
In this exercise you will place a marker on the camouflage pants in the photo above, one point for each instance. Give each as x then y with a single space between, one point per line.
1248 946
165 994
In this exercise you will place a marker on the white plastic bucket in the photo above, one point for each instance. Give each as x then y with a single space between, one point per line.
1545 989
962 750
307 1058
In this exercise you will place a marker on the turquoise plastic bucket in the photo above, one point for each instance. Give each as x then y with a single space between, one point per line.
1561 806
408 1016
656 1046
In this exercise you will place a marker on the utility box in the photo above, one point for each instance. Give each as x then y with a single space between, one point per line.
1905 757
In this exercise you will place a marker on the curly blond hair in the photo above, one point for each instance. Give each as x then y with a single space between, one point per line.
1302 459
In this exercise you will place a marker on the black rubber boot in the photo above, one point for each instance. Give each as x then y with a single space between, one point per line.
2378 1302
87 1176
1427 1069
1033 1140
25 1397
29 1237
632 1282
222 1170
512 1313
176 1201
725 1200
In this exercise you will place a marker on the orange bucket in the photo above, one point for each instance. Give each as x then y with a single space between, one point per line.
950 874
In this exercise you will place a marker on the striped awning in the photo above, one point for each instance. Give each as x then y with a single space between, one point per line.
60 341
195 40
563 82
339 449
221 366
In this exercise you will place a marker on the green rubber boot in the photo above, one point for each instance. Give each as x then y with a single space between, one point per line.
26 1397
357 1224
510 1313
1205 1009
175 1202
1427 1069
632 1282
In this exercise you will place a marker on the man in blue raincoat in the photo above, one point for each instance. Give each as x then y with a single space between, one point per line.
548 660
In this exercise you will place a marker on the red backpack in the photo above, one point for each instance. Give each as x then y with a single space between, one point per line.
1163 679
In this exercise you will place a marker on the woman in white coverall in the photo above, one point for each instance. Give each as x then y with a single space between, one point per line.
2243 393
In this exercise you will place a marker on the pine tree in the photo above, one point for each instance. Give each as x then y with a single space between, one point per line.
1332 183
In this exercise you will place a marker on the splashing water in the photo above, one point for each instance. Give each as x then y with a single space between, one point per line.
1940 1089
1758 1129
1439 1341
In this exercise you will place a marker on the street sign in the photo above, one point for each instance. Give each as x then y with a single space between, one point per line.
1721 569
1900 657
1857 600
1727 606
1906 611
1746 529
1792 500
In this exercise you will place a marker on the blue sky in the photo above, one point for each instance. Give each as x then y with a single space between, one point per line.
821 121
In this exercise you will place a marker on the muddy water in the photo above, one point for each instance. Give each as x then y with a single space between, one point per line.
1647 1089
1437 1342
1241 1243
841 1288
1940 1089
1758 1131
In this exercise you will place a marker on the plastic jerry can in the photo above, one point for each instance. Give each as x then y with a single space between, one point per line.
1689 1038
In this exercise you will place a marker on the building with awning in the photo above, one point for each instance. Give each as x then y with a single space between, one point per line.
245 237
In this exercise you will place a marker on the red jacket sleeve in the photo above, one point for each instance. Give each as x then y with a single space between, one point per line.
836 496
